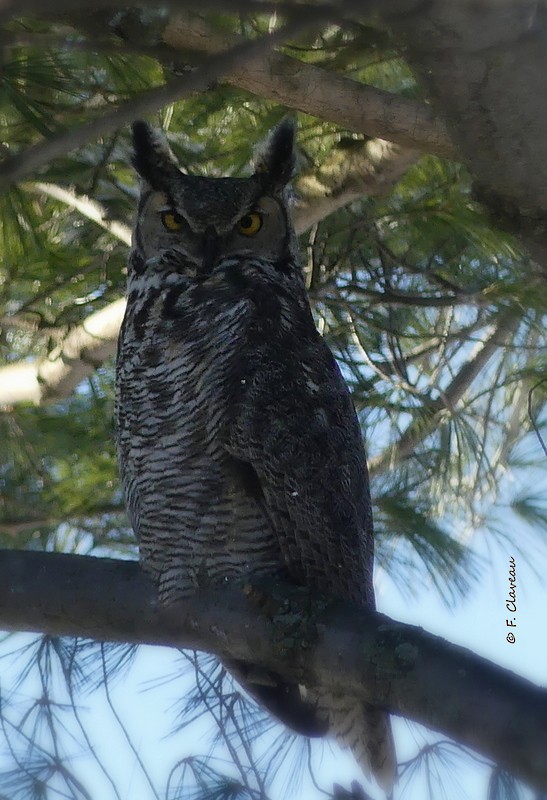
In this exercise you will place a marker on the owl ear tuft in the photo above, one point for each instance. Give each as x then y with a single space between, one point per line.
275 158
152 156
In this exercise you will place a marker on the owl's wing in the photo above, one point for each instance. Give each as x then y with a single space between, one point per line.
296 431
295 426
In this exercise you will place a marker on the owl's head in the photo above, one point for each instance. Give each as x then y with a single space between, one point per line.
191 223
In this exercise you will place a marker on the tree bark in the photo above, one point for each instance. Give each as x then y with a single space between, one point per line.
365 654
483 65
317 91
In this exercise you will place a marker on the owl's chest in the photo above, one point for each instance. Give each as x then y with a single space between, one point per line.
178 372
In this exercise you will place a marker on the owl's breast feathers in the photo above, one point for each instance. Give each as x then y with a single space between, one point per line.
239 369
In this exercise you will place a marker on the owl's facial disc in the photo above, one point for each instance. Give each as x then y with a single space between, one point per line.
176 232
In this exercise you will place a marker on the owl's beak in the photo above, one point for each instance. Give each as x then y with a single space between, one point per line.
210 250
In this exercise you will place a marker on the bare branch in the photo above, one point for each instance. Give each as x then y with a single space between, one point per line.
345 177
357 652
82 351
87 208
428 418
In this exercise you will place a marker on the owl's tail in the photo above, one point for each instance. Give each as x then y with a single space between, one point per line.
366 730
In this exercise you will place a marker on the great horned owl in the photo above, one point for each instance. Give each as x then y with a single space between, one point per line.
239 447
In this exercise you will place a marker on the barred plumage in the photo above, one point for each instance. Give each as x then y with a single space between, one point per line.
239 447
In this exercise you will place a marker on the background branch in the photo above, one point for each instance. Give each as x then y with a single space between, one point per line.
85 206
373 171
428 417
85 347
79 355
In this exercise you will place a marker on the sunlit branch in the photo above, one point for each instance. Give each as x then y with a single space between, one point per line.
85 206
346 177
82 351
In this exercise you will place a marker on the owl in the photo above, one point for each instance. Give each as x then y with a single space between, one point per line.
239 447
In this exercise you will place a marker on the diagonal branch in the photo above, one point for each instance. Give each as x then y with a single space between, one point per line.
319 92
359 653
14 168
85 206
82 351
428 418
345 177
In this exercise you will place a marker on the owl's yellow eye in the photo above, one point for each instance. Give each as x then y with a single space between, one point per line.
249 224
172 221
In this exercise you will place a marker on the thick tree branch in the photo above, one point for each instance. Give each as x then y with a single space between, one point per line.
404 668
316 91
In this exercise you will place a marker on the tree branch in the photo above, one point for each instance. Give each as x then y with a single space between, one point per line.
14 168
79 355
360 653
85 206
372 170
428 417
316 91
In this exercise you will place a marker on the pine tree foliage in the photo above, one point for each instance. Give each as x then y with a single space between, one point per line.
437 319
